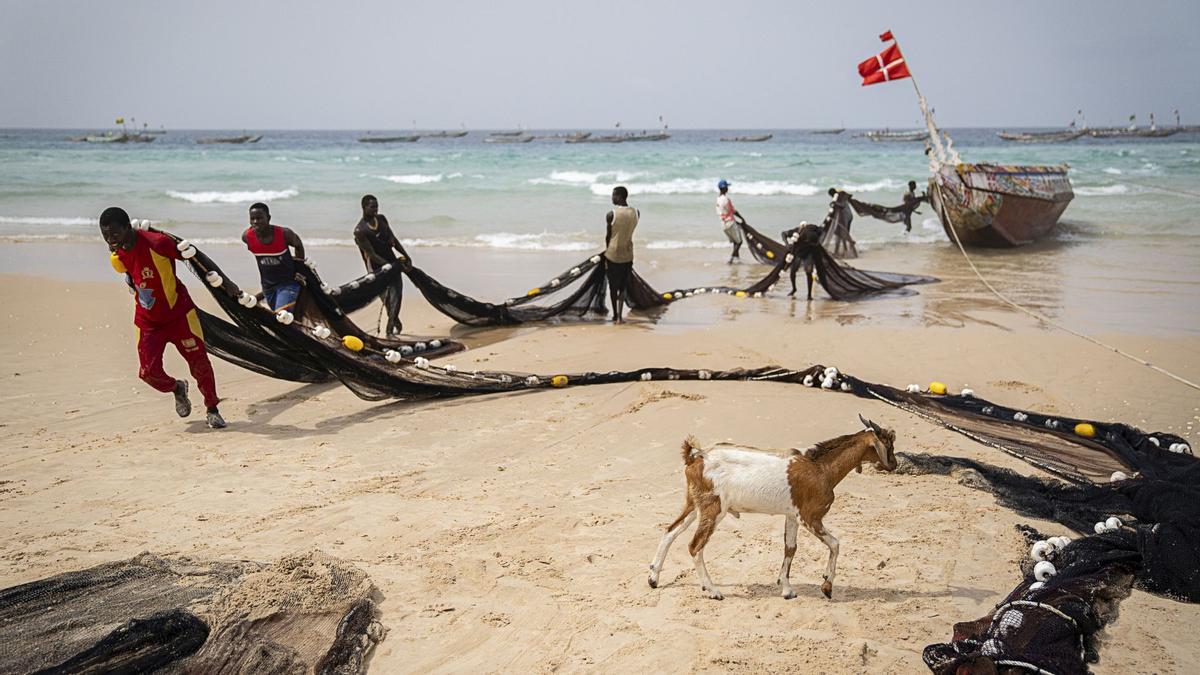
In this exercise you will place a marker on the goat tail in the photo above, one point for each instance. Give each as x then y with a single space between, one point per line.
691 450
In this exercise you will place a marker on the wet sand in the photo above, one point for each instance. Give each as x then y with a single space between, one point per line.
513 532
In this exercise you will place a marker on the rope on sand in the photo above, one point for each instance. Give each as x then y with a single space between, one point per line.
1043 318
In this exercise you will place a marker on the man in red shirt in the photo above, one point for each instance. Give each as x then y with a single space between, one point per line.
164 312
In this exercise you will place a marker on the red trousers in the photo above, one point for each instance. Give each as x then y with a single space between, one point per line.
185 333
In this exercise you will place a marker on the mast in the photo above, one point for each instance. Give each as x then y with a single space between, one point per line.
940 153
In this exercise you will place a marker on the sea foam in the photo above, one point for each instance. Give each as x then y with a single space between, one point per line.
415 178
235 197
697 186
1103 191
48 220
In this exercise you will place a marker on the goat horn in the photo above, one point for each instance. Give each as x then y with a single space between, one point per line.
869 424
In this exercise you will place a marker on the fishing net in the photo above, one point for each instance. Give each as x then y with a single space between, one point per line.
888 214
840 281
307 613
1054 624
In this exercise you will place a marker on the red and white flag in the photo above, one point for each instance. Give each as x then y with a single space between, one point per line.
885 66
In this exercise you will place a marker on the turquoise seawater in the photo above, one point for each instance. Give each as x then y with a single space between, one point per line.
549 195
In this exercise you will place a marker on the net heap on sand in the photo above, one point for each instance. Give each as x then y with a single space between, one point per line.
1136 493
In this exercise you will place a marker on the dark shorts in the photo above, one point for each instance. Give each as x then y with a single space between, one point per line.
618 275
282 296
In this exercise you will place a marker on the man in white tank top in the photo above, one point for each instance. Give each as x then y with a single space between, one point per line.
618 248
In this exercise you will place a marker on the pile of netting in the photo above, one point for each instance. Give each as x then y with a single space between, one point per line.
840 281
307 613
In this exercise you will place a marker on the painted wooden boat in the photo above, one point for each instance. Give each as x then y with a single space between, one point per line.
995 206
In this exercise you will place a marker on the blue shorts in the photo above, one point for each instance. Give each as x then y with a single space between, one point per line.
282 296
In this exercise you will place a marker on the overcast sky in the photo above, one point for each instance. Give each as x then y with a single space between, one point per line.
378 64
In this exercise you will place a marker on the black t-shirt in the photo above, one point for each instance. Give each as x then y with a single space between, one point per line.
376 240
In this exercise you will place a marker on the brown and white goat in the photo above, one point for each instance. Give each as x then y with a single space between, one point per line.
730 479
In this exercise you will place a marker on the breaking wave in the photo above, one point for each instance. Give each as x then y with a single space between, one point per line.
696 186
235 197
416 178
48 220
1088 191
583 178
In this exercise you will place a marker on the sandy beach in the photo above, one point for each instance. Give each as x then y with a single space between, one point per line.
513 532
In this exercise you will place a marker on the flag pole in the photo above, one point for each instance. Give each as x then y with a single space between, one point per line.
941 153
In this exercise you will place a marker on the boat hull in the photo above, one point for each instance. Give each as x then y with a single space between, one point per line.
992 206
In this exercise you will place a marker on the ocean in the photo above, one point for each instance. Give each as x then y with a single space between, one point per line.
1131 228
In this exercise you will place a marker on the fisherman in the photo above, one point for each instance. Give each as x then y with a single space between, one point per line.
376 242
803 241
729 219
164 311
271 246
837 224
618 251
911 202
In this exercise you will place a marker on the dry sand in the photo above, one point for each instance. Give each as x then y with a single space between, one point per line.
513 532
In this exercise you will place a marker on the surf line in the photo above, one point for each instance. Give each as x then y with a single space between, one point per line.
1045 319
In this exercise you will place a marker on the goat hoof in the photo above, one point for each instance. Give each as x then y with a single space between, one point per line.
716 595
653 582
827 589
790 595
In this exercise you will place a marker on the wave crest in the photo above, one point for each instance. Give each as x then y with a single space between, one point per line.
234 197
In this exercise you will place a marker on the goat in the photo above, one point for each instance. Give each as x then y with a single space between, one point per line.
730 479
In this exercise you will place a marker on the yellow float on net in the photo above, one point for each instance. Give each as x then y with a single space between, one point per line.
352 342
740 294
1086 430
770 254
666 296
117 265
533 291
937 388
559 381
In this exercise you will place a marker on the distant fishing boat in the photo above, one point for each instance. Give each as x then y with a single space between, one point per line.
112 137
1042 136
519 132
898 136
444 134
563 137
230 140
508 138
125 136
617 138
748 139
646 136
827 131
389 139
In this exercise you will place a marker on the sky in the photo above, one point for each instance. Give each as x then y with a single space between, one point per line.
378 64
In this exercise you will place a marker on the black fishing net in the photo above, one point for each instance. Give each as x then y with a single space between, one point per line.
1154 544
302 614
581 290
840 281
888 214
1156 489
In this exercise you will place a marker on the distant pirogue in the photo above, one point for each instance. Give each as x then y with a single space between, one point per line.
1141 489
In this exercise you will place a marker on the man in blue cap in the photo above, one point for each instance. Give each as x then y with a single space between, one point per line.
729 219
